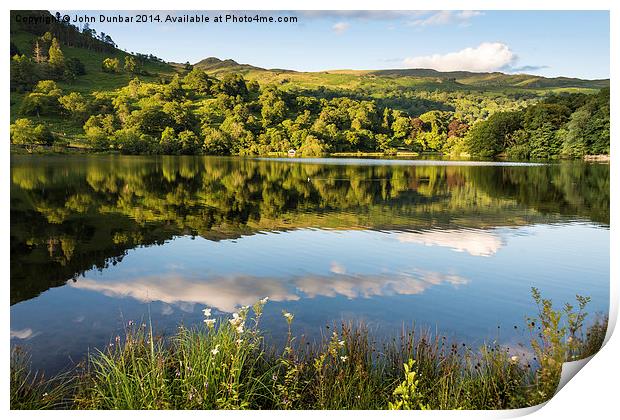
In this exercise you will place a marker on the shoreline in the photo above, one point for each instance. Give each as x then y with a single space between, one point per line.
69 150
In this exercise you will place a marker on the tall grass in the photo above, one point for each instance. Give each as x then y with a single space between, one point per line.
33 391
225 364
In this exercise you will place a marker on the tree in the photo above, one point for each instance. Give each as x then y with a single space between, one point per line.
76 105
43 100
150 119
216 142
273 107
168 142
457 128
189 143
312 147
38 54
75 66
23 73
401 127
131 65
180 115
111 65
24 132
198 81
56 58
232 84
99 129
488 138
174 90
130 141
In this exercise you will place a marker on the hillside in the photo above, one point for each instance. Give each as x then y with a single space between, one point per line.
87 48
415 78
73 87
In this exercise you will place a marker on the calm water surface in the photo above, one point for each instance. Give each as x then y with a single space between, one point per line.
99 241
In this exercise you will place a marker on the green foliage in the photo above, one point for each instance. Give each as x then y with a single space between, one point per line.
568 125
24 73
76 105
132 65
43 100
111 65
24 132
312 147
216 142
488 138
556 337
75 66
233 85
406 395
56 58
99 129
198 81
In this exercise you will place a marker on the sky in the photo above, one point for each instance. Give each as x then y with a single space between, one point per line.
547 43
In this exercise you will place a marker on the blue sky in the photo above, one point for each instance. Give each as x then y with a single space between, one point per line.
548 43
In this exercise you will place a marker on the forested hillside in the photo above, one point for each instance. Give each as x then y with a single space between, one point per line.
73 87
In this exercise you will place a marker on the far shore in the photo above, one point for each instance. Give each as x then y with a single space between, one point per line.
60 150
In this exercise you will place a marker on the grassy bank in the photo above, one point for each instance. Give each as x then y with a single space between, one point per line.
225 364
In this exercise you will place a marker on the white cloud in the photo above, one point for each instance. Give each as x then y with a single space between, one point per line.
446 17
488 56
478 243
337 268
341 27
468 14
24 334
227 293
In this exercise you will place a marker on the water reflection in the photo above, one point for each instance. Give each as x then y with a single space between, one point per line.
95 240
475 242
69 214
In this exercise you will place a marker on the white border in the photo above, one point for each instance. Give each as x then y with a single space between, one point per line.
592 394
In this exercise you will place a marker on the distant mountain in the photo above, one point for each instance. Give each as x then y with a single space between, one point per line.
496 78
214 65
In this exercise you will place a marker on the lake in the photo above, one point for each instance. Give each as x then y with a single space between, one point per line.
98 241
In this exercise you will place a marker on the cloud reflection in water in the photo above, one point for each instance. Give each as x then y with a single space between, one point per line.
226 293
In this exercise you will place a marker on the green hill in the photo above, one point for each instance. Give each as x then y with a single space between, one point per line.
420 78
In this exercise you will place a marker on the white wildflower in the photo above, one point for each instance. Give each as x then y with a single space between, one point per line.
210 323
215 350
344 358
514 359
341 343
237 322
207 312
288 316
264 300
